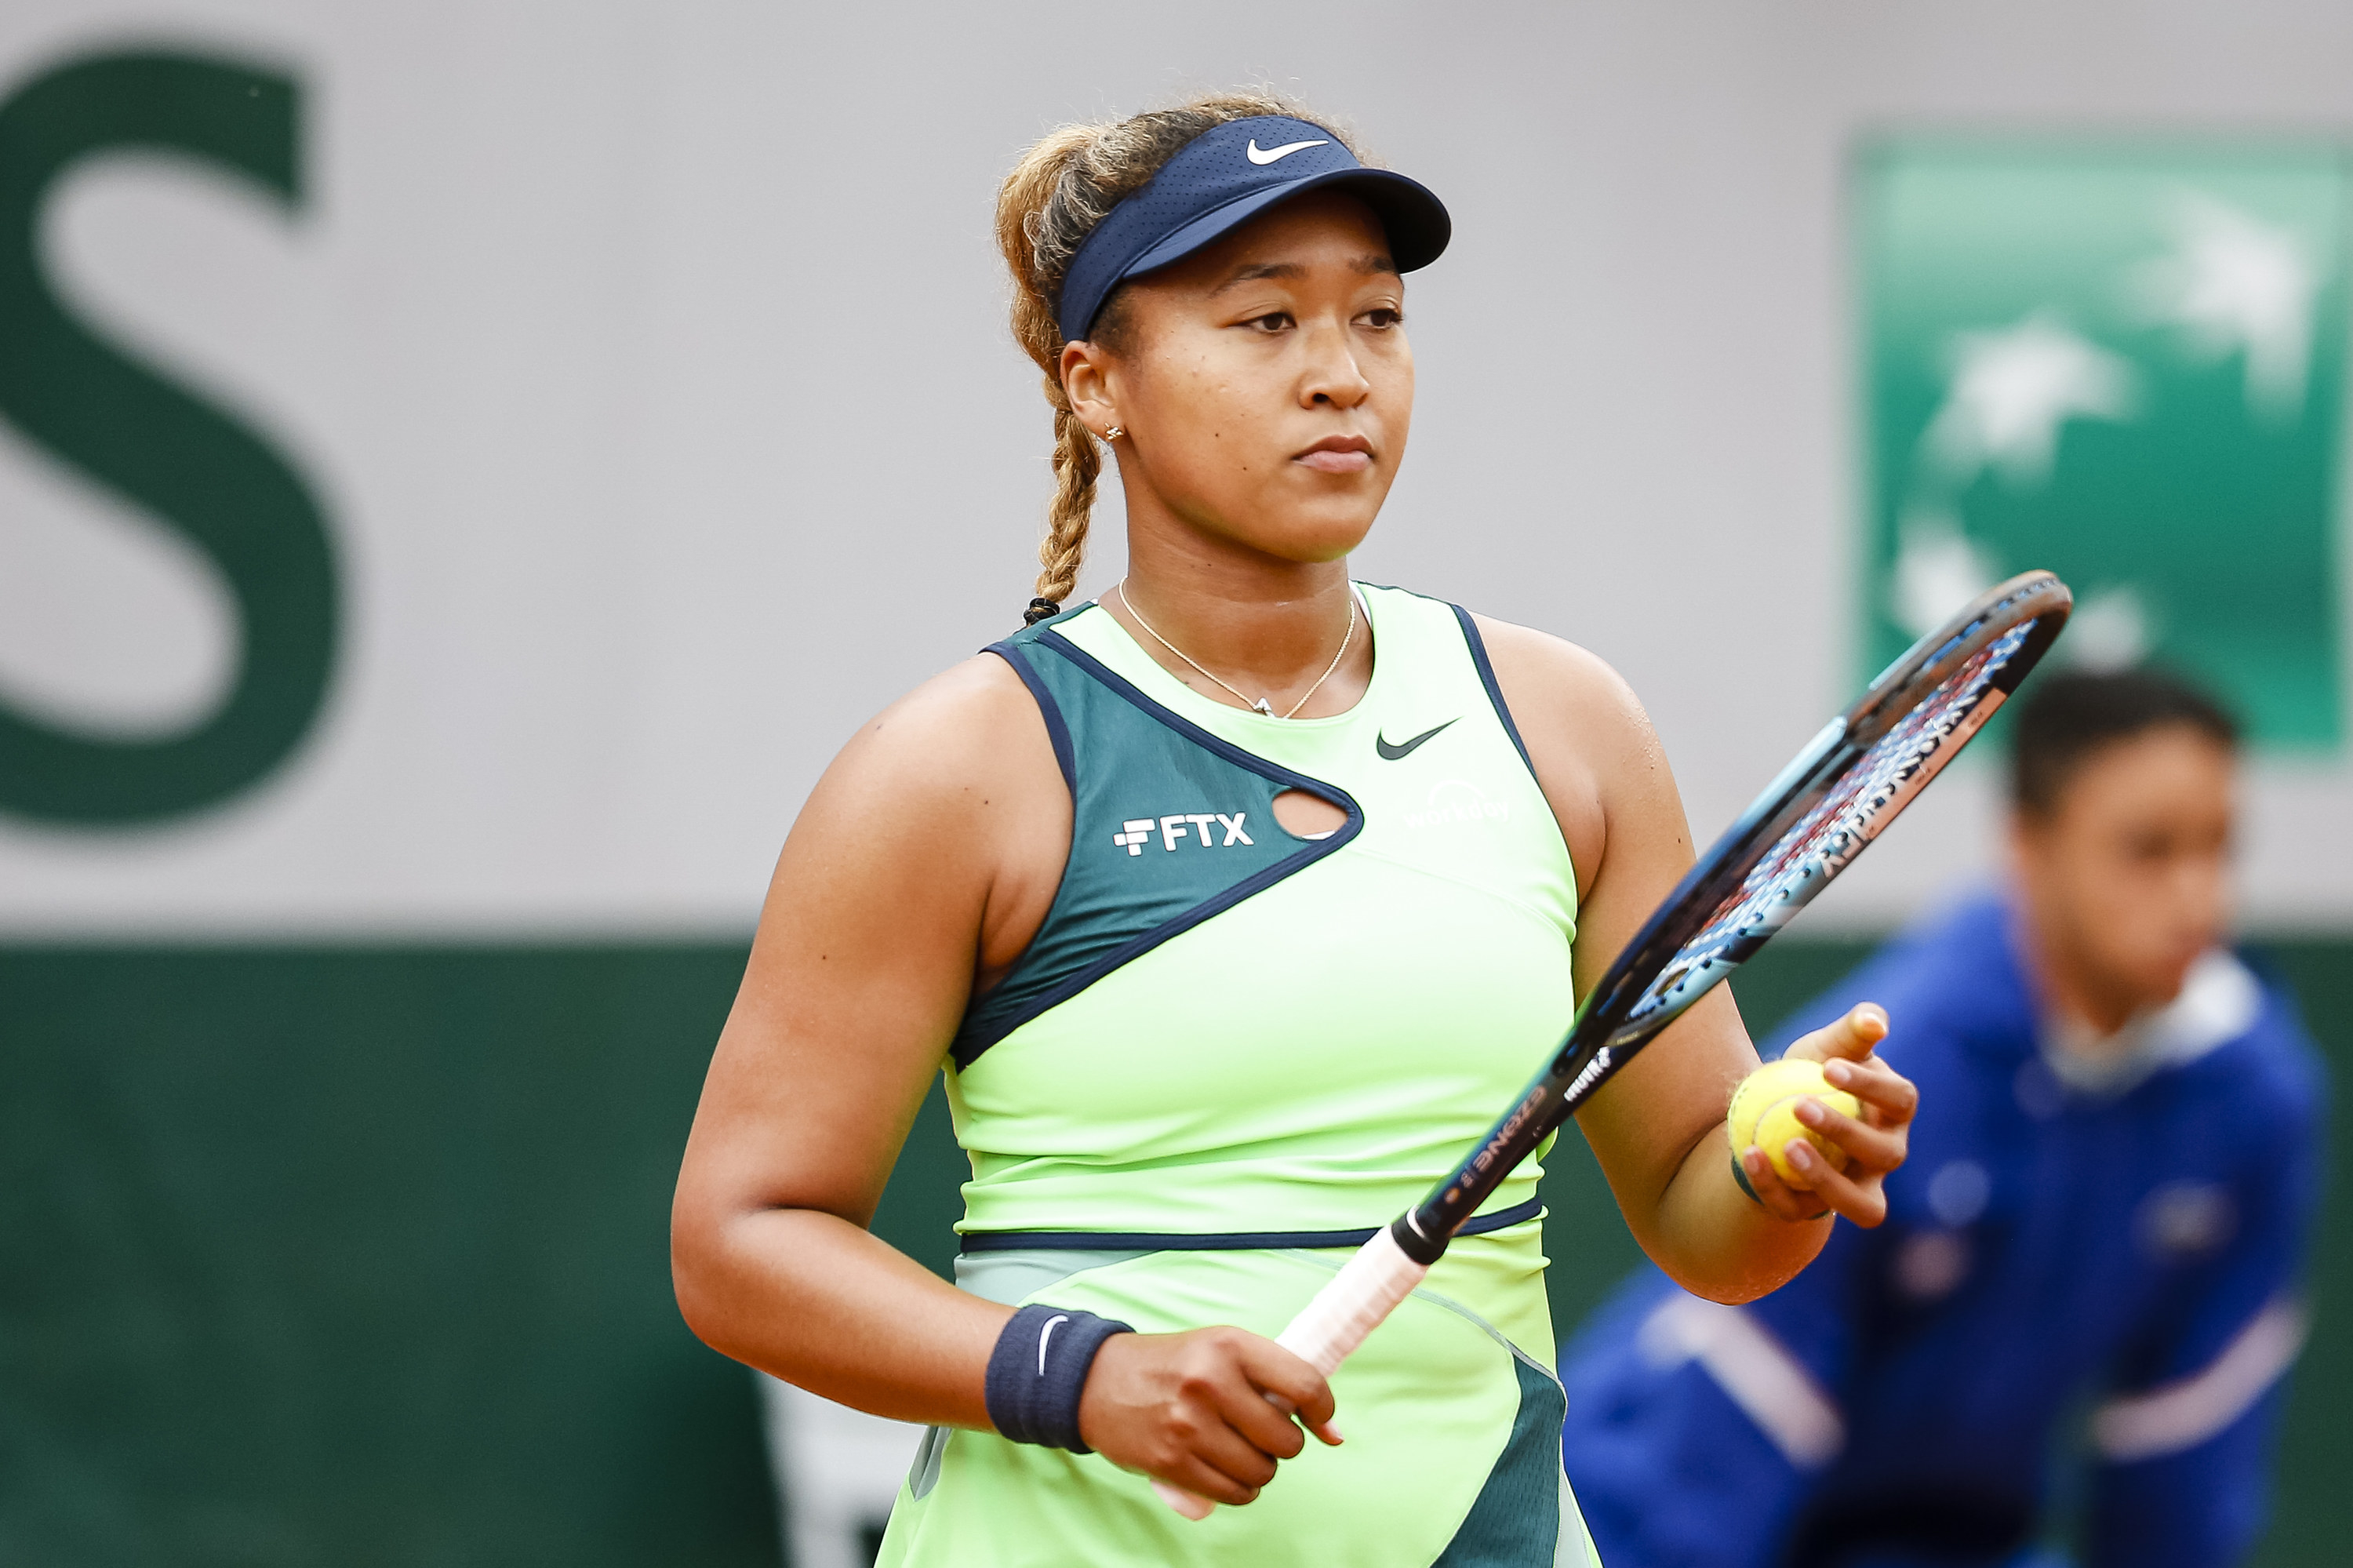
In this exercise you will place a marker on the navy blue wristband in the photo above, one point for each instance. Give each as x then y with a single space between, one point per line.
1040 1369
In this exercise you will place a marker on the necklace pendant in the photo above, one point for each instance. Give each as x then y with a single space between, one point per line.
1262 707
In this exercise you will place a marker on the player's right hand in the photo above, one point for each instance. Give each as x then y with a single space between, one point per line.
1875 1145
1209 1411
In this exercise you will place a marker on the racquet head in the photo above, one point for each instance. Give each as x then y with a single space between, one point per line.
1840 792
1839 795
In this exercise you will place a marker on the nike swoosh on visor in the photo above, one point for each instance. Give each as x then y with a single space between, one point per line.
1275 154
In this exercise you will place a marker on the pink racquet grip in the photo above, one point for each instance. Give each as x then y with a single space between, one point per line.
1329 1327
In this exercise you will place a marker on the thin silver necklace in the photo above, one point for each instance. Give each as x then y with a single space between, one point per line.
1261 705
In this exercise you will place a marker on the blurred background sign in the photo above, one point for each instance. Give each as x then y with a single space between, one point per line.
2123 360
217 489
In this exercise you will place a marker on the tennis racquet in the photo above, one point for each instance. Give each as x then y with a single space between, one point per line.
1809 825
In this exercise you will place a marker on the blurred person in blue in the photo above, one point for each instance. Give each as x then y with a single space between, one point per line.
2087 1283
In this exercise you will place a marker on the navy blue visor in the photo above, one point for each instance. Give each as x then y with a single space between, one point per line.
1222 179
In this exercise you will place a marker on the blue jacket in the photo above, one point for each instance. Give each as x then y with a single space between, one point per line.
2054 1251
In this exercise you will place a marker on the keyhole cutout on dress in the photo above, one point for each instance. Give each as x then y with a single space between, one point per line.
1305 816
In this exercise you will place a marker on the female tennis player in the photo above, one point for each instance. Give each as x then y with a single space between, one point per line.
1235 904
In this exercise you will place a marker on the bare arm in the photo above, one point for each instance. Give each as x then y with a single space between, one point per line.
922 864
1657 1127
860 971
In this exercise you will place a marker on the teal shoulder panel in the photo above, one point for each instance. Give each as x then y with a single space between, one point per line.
1169 825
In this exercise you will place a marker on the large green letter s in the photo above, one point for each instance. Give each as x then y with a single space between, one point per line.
156 444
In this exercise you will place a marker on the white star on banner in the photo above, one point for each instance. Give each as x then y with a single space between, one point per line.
2238 286
2012 389
1937 569
2112 628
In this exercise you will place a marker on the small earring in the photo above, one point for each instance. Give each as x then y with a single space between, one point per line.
1114 432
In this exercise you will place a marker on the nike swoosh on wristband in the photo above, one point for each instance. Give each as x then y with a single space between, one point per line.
1273 154
1045 1334
1391 753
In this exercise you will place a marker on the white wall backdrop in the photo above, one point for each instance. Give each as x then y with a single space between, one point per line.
649 360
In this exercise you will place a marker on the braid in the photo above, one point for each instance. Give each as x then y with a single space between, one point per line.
1051 201
1077 465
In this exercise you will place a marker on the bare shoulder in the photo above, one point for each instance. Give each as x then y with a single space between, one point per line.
958 742
960 714
1552 684
937 836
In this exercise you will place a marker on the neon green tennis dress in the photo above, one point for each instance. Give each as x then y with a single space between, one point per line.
1230 1054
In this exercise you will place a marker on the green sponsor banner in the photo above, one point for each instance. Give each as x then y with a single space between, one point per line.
359 1258
2124 362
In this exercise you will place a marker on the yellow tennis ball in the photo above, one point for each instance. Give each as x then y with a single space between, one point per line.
1764 1113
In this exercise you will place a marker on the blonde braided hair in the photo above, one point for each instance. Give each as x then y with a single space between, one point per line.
1051 201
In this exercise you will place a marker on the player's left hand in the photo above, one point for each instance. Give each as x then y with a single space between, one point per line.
1876 1144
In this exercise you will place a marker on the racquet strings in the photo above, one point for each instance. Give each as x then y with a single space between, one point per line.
1871 792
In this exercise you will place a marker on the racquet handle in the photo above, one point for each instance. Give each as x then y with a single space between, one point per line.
1366 1290
1351 1306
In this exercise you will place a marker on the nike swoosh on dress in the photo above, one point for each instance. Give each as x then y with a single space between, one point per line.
1273 154
1391 753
